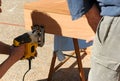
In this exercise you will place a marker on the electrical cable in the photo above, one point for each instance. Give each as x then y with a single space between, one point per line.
29 60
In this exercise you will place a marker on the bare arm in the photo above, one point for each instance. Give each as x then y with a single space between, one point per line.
4 48
93 17
16 54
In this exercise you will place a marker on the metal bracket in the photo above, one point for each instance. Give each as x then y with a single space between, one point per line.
39 29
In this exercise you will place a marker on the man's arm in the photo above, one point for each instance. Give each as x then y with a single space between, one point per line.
15 54
93 17
4 48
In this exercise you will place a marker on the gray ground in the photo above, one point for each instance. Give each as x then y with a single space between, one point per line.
12 14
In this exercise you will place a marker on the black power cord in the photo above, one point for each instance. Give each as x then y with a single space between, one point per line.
29 60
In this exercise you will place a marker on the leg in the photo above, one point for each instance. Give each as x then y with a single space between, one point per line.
99 72
52 70
75 41
105 61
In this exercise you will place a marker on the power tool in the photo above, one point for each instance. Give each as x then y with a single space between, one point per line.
32 40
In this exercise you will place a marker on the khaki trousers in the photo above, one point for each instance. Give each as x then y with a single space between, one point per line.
105 58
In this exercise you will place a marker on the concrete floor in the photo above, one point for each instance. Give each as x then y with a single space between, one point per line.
12 25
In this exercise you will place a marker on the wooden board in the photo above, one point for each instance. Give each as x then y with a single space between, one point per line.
54 16
52 6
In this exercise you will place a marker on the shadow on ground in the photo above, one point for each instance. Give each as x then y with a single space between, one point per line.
68 74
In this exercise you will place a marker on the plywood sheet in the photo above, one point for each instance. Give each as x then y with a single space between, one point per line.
51 6
56 19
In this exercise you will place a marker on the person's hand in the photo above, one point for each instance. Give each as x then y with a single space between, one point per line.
90 39
15 55
17 52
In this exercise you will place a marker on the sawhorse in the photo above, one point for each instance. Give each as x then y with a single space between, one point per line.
57 20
